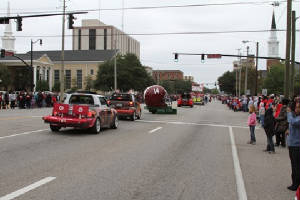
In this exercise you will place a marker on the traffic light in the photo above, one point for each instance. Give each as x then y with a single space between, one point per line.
4 20
202 58
176 57
19 24
2 53
71 21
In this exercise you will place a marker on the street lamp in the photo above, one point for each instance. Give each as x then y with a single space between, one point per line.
31 60
256 64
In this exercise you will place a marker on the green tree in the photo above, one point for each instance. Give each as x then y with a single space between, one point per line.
5 76
275 79
130 75
56 87
227 82
169 86
42 85
88 81
74 84
214 91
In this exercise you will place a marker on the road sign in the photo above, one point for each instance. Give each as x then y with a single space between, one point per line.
9 53
264 92
214 56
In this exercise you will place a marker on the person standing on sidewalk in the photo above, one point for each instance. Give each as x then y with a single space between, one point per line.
281 123
262 112
293 141
252 124
269 123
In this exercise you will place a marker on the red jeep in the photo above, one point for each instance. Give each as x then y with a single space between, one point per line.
185 100
84 111
126 105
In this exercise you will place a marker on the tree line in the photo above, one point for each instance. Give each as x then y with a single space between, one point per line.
273 81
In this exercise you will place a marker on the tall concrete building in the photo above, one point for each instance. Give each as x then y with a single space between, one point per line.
95 35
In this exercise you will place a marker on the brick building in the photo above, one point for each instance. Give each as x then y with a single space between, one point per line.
162 75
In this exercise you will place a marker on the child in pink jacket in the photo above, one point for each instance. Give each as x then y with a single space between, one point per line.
252 124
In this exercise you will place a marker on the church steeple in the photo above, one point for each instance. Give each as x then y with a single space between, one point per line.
273 43
8 40
273 27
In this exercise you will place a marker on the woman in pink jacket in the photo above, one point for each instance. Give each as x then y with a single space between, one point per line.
252 124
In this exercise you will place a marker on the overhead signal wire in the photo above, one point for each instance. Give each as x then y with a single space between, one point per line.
162 7
168 33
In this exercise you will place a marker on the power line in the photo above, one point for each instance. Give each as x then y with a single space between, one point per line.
161 7
165 33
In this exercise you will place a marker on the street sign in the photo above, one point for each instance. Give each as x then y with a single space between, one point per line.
248 92
214 56
264 92
9 53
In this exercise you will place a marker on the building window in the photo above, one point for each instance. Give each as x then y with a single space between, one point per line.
79 79
68 79
47 75
105 39
56 76
92 39
92 72
79 39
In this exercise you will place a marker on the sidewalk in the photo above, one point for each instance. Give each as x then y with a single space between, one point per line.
266 176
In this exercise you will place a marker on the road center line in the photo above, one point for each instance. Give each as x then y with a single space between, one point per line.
27 189
156 129
242 195
25 133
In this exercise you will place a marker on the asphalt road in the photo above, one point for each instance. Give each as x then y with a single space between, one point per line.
187 156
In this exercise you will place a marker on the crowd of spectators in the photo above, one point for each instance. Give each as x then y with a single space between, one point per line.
27 100
279 117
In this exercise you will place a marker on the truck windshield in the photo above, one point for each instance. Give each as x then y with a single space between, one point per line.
186 96
81 99
121 97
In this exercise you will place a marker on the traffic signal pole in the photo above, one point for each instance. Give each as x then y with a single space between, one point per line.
288 51
62 74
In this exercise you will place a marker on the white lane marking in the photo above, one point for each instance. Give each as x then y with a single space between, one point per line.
25 133
195 124
242 195
156 129
27 189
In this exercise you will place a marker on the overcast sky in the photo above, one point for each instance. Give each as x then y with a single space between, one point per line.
157 51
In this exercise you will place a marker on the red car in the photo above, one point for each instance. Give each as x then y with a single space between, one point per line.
126 105
84 111
185 100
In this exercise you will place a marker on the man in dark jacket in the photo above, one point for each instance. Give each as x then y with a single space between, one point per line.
281 124
269 125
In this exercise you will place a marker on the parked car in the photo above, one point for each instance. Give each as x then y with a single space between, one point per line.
185 100
126 105
84 111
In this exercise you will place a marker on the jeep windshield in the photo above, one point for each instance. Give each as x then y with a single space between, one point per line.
121 97
186 96
81 100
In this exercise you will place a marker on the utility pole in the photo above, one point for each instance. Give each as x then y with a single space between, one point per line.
256 66
246 73
123 4
236 82
62 71
288 50
293 53
240 73
115 66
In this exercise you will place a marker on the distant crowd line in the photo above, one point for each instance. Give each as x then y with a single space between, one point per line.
27 100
